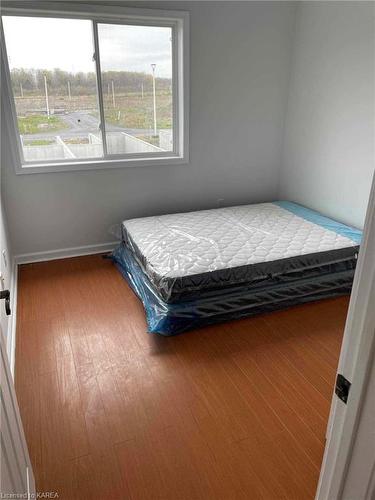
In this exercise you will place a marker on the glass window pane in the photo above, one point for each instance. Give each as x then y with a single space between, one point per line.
136 75
54 86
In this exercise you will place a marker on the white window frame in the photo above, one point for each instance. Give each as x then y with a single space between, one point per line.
178 21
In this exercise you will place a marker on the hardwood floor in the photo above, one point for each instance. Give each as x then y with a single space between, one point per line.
233 411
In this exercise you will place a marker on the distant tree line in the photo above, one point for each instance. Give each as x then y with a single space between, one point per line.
31 82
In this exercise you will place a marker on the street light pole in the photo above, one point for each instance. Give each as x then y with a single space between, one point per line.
113 94
69 92
46 92
153 66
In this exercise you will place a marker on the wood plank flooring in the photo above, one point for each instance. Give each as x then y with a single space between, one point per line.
232 411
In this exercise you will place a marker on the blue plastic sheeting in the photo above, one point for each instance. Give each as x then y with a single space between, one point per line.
315 217
172 318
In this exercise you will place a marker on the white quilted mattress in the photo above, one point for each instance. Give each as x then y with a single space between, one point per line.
226 246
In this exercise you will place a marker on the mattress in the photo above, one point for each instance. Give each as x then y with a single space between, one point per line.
193 254
173 318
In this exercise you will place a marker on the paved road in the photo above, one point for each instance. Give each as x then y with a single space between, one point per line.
80 123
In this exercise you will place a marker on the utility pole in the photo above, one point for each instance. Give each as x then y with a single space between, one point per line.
153 66
142 90
113 94
21 89
69 93
46 92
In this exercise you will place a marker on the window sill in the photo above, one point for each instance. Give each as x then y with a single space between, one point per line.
43 168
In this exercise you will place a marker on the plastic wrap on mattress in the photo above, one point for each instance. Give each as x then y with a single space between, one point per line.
190 255
170 319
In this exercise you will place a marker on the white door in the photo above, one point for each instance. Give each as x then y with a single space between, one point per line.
16 474
348 469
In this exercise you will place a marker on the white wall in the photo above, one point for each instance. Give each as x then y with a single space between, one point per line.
241 71
328 158
240 55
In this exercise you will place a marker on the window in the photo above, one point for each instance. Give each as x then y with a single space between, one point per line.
98 90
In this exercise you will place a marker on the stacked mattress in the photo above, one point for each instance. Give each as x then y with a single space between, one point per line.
197 268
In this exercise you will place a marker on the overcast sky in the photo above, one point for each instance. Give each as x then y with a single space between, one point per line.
67 44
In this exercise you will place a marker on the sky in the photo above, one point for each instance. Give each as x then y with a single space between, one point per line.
67 44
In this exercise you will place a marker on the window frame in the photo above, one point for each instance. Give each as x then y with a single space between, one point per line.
178 21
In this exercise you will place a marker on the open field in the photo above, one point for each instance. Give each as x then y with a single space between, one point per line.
132 111
39 142
128 111
34 124
57 103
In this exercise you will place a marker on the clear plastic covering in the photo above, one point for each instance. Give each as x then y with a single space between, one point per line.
173 318
190 254
202 267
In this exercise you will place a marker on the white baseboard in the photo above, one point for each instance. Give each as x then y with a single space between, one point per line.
63 253
12 324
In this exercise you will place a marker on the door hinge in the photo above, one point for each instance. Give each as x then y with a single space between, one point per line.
342 387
